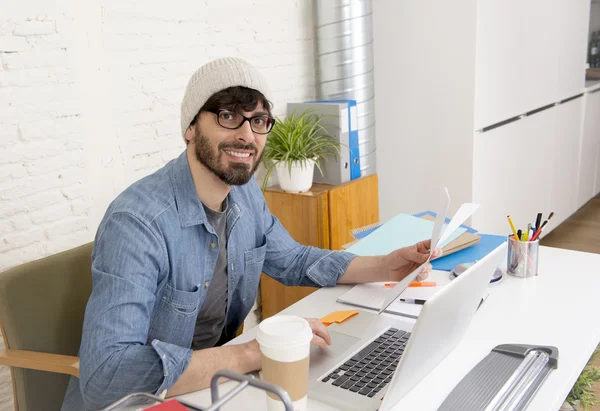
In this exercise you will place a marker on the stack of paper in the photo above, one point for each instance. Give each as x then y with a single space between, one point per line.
464 236
402 231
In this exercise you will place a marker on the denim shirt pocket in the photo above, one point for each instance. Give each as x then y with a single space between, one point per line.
255 257
175 316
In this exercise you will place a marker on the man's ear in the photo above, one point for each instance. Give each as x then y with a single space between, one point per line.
189 133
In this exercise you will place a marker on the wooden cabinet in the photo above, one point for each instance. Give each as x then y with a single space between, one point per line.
321 217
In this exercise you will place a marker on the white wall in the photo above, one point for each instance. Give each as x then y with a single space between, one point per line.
90 94
89 100
436 67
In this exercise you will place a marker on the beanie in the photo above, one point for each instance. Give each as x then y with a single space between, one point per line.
215 76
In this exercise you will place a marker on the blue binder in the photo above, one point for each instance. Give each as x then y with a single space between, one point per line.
353 135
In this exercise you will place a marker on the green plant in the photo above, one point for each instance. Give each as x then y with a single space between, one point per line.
298 138
582 390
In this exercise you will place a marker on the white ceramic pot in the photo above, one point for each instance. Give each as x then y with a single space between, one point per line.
300 178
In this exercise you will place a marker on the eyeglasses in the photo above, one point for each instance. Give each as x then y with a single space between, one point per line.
233 120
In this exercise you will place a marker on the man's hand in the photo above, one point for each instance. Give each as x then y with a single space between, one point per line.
392 267
321 337
405 260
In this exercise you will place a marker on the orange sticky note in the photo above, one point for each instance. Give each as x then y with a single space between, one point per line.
338 317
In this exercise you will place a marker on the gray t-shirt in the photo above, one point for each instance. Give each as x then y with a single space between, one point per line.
211 316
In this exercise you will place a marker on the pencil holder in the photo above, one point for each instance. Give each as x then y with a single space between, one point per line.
522 257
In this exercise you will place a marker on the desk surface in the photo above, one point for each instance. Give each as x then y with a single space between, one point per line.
559 307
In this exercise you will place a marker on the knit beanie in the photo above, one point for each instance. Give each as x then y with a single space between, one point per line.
215 76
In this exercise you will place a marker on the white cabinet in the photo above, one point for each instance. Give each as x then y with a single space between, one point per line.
590 144
526 167
450 78
571 46
561 167
509 175
529 54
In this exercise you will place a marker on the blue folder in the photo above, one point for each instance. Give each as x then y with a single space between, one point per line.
470 254
352 135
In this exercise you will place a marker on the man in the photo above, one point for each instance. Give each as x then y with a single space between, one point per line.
178 256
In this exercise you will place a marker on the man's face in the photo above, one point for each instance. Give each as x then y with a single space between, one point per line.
232 155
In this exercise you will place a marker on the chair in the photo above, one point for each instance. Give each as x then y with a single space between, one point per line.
42 304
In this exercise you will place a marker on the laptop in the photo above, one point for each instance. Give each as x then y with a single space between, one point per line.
374 360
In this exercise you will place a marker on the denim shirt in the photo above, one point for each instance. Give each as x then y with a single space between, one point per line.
153 259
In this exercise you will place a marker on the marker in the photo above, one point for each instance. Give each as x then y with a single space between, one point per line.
538 221
548 219
526 234
537 233
413 301
423 284
519 233
512 227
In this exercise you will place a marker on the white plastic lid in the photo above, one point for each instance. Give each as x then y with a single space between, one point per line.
284 331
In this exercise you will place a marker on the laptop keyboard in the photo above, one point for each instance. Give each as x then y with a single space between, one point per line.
371 369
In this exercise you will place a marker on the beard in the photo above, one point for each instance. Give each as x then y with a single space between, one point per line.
236 174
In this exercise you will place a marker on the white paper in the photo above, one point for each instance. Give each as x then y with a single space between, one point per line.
370 295
442 211
437 227
465 211
374 295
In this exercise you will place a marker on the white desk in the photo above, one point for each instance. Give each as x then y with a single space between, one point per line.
559 307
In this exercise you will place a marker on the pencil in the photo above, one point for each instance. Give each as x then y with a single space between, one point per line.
512 227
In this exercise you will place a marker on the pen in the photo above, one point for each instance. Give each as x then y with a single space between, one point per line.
539 230
538 221
537 233
423 284
512 227
548 219
526 234
519 234
413 301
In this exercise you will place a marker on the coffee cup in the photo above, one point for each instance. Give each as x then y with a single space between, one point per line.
285 347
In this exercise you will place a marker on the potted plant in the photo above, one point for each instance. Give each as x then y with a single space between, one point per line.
294 147
581 395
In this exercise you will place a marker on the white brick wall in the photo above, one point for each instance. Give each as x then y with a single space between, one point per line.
90 94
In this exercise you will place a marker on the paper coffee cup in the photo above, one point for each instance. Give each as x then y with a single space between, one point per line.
285 347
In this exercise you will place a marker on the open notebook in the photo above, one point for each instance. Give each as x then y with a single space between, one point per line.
369 296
